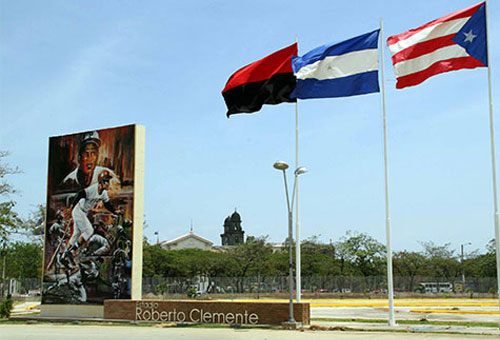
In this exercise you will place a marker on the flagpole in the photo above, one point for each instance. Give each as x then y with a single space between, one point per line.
298 278
493 162
390 286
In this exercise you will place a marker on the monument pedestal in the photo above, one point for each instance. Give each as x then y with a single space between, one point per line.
72 311
199 311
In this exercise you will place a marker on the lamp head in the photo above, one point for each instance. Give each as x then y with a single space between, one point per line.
280 165
300 170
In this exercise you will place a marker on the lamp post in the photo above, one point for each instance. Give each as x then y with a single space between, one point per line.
298 271
3 252
462 262
282 166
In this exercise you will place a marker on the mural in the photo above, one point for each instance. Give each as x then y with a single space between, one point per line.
88 236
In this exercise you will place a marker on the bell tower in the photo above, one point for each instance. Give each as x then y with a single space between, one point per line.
233 233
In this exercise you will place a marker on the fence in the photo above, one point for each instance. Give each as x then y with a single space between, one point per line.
18 287
310 284
278 284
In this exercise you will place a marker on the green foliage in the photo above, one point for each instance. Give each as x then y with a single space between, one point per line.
409 264
318 259
363 252
34 226
24 260
158 262
192 293
250 257
6 307
355 254
483 265
491 247
442 261
10 221
492 291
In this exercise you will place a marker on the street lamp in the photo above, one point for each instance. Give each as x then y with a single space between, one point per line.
282 166
462 262
298 272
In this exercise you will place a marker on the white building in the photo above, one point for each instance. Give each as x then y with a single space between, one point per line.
187 241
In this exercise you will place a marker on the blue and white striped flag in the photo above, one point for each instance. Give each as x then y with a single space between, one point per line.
344 69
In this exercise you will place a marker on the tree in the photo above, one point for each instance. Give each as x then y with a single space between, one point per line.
34 226
159 262
442 261
24 260
10 221
366 254
409 264
318 259
483 265
249 258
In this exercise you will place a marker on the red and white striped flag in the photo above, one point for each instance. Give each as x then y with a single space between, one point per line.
430 49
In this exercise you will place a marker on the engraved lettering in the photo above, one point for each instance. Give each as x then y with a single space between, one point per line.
218 318
191 315
207 317
253 318
164 316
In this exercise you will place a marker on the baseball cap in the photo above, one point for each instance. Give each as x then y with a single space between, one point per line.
91 137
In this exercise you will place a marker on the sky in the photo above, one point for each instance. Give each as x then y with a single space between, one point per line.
70 66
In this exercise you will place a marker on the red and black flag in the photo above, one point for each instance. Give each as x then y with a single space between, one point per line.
266 81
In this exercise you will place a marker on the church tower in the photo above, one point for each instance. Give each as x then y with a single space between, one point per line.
233 233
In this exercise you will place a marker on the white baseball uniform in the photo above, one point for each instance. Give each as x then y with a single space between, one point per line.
81 223
72 177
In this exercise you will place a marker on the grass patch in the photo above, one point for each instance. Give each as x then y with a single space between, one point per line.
414 322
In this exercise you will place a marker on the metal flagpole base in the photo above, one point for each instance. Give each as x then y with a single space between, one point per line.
291 325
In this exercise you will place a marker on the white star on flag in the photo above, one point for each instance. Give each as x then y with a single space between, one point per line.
469 36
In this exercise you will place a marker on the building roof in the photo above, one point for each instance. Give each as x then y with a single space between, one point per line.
191 234
236 217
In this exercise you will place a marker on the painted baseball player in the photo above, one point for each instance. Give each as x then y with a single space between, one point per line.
98 245
57 229
87 172
120 260
58 234
88 271
84 201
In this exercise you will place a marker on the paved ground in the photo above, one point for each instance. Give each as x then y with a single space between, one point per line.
470 310
433 310
478 310
55 332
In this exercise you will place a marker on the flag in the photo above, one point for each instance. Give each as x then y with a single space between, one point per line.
344 69
266 81
450 43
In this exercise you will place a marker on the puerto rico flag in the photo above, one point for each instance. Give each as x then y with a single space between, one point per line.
450 43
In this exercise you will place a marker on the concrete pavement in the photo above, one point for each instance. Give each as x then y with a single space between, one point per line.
462 310
65 332
418 328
